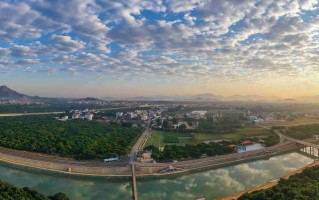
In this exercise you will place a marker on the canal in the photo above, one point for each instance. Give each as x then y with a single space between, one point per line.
211 183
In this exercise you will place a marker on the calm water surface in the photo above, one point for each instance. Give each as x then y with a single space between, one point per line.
211 184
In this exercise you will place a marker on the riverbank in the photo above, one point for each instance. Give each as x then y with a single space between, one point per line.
143 170
268 184
212 183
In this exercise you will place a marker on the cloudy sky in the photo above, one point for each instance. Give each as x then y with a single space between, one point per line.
160 47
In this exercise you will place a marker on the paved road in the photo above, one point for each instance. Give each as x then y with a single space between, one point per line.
182 164
140 142
138 145
221 158
25 114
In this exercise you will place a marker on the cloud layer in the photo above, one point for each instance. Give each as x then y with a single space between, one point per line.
191 39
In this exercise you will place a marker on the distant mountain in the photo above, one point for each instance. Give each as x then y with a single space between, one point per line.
314 98
251 98
177 97
88 99
108 98
289 99
207 96
143 98
7 93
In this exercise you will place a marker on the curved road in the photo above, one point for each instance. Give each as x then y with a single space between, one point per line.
221 158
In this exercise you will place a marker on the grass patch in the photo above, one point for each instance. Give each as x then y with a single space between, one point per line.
184 140
236 135
159 138
171 139
251 131
233 136
200 137
156 139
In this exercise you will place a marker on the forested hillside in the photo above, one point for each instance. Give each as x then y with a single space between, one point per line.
10 192
77 138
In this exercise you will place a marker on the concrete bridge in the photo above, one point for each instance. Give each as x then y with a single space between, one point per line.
308 147
134 188
303 142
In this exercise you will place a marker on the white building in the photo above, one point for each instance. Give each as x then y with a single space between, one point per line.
144 117
198 114
76 116
64 118
119 115
89 116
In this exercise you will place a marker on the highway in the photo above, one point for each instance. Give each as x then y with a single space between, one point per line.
136 147
87 168
221 158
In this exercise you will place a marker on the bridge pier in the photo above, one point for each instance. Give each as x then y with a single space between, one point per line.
306 144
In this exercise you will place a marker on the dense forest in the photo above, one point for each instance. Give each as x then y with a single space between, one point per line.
34 108
59 107
303 186
303 132
271 140
74 138
10 192
178 152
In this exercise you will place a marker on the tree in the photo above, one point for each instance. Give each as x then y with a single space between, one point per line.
77 138
11 192
182 127
59 196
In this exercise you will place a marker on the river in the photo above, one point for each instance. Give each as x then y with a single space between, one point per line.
211 183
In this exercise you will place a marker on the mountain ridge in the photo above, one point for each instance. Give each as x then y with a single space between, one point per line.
6 94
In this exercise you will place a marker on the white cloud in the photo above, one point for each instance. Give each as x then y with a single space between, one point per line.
194 39
21 51
4 51
20 21
65 43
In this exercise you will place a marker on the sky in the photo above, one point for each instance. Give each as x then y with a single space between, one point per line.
127 48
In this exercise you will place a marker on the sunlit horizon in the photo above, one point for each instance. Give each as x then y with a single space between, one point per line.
126 49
